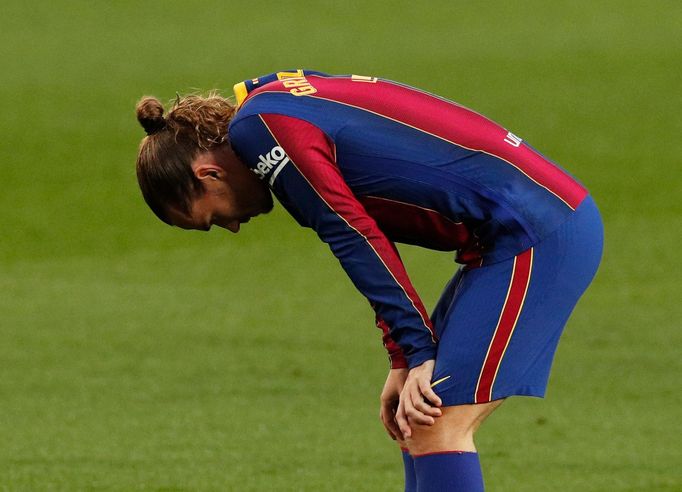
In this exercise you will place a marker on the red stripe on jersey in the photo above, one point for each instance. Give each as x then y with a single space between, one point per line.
311 152
409 223
395 353
447 121
513 303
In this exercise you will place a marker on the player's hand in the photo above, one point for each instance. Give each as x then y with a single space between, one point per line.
390 398
414 407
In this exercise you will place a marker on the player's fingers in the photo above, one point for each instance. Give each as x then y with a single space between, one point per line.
416 417
427 409
393 428
389 432
413 413
387 416
383 422
429 394
401 420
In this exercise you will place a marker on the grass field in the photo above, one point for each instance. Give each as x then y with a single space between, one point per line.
138 357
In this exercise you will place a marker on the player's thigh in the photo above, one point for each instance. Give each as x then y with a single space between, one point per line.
467 329
452 431
500 332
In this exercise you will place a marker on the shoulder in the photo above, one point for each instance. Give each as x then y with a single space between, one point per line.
240 119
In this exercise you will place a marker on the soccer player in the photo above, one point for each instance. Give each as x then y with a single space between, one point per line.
366 163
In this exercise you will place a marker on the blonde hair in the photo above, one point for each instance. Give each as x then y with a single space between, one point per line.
193 125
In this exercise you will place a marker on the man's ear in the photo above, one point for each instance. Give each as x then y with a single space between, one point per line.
208 172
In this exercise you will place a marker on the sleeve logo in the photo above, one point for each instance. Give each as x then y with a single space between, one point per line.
272 162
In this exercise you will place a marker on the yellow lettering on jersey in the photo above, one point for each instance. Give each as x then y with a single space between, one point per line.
298 86
295 82
304 91
288 75
363 78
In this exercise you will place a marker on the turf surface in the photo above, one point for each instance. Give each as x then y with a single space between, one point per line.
138 357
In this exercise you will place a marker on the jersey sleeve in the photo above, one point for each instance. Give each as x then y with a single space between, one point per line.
298 161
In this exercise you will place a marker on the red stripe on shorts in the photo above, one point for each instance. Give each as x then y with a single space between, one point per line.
513 303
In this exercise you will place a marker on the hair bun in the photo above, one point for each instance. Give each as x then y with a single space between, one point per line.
150 115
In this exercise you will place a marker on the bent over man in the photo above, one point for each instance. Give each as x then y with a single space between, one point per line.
368 163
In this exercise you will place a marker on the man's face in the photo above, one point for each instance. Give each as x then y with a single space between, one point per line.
232 195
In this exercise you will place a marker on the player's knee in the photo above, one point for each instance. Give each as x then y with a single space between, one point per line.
453 430
454 424
434 438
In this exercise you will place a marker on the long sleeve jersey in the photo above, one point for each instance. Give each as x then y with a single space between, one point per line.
368 162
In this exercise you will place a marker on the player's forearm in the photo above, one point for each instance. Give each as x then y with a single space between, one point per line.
396 354
417 355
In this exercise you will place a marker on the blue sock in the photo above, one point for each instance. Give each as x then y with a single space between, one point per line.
455 471
410 477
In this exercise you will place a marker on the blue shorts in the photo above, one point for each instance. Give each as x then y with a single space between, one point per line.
499 325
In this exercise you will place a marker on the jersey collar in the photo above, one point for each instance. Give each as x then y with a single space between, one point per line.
242 89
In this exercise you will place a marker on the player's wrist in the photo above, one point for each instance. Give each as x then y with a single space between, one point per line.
425 367
418 358
398 360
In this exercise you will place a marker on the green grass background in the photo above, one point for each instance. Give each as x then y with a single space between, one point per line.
138 357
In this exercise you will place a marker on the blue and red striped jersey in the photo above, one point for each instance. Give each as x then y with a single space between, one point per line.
368 162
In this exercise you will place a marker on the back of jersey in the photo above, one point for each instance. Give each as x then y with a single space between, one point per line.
397 142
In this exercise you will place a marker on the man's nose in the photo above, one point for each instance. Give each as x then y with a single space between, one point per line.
233 226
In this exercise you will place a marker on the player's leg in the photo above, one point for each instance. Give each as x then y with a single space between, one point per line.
453 431
408 467
498 339
444 454
437 318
